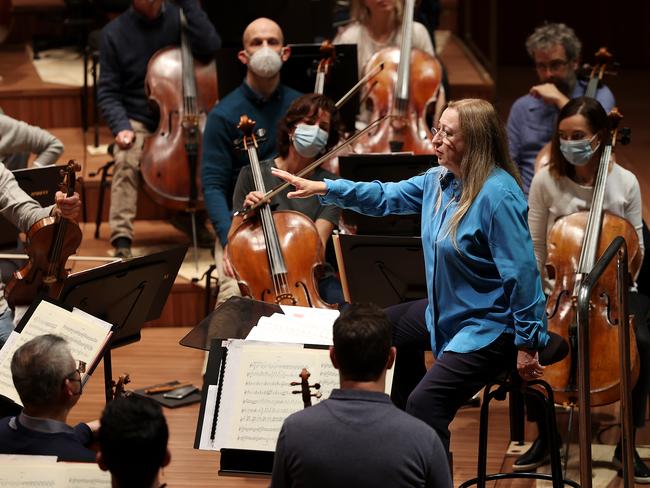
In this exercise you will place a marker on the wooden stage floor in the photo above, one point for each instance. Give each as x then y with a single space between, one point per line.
192 468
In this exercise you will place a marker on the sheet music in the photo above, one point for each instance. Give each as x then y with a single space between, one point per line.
309 329
325 314
205 443
85 339
258 396
37 473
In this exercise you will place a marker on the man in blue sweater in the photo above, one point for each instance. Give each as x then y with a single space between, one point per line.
127 45
49 385
265 100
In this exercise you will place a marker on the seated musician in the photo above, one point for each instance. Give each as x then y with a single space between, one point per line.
308 130
127 44
18 138
564 187
23 211
376 24
357 437
133 437
49 384
555 50
264 99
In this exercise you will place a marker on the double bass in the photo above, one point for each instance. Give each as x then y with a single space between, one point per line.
50 241
410 83
277 256
574 244
184 90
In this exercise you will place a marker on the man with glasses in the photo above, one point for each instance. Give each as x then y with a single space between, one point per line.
555 51
49 384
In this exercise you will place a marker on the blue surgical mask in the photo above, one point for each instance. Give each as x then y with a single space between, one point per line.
579 152
309 140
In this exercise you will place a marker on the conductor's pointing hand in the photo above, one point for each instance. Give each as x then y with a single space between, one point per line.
304 188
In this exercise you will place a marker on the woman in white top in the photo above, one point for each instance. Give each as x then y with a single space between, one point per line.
376 24
564 187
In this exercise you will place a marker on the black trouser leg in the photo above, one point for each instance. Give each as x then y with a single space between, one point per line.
452 381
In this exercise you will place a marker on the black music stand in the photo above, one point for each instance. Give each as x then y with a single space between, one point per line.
384 167
299 72
233 319
125 294
381 269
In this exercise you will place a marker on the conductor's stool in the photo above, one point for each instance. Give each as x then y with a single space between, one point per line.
513 384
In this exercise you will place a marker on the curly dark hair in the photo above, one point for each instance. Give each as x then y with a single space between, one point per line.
306 107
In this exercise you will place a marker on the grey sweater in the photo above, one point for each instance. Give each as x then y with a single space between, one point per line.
17 136
358 439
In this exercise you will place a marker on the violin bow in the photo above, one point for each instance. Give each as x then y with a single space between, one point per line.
308 169
370 75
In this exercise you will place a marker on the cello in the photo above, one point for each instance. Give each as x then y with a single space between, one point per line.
184 90
409 84
277 256
574 244
50 241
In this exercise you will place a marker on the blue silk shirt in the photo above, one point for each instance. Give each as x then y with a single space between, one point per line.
490 284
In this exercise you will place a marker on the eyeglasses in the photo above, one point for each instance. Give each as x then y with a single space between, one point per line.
555 65
440 132
81 369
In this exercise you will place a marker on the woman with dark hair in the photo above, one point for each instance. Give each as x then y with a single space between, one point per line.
564 187
309 129
485 306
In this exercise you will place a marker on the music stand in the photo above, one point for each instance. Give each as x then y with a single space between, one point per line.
233 319
299 72
385 270
384 167
125 294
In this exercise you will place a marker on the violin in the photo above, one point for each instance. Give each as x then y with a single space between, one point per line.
574 244
184 90
50 241
277 256
602 66
408 88
305 388
118 389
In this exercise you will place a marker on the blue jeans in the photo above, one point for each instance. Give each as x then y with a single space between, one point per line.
6 325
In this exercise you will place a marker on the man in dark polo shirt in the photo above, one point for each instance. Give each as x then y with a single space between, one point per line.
49 385
265 100
358 437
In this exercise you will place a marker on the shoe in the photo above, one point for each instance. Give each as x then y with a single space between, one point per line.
123 252
534 457
122 247
641 470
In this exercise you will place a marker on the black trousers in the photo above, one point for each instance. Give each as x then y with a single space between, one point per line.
639 306
435 396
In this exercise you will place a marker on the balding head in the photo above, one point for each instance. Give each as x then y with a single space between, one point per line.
261 30
263 34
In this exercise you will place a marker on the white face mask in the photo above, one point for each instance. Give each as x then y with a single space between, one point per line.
265 62
579 152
